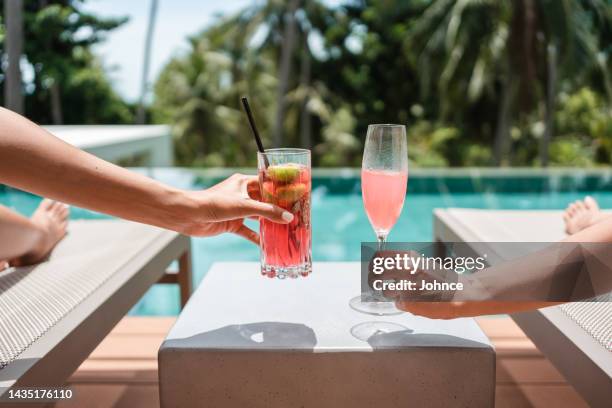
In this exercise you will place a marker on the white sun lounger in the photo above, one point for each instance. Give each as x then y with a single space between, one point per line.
54 314
576 337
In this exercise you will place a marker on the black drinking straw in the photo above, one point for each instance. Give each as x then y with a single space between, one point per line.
247 110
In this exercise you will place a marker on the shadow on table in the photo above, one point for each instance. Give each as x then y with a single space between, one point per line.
407 338
260 335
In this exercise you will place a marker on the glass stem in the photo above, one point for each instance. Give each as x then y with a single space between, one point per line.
381 241
377 294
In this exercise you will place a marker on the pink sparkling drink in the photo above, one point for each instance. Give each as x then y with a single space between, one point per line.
383 193
384 178
286 182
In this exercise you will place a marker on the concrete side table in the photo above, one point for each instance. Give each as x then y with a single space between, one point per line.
244 340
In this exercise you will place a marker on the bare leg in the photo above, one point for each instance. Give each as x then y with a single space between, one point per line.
582 214
28 241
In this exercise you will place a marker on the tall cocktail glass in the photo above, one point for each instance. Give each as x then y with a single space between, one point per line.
285 180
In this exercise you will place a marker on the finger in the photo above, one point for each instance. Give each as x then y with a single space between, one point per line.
235 179
249 186
248 233
253 189
269 211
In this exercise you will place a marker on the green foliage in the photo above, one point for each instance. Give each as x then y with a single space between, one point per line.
425 149
439 145
584 125
89 98
339 147
199 94
442 67
582 113
570 151
476 155
438 66
69 84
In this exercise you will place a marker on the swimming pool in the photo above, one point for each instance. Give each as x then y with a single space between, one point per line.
339 223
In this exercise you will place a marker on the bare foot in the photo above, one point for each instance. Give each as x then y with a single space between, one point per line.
51 217
581 214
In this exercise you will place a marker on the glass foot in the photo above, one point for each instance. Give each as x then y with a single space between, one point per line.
363 331
374 307
283 272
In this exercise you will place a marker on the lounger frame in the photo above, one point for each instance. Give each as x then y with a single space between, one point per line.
50 360
585 363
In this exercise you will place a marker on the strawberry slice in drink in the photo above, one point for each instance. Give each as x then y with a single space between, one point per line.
289 194
267 192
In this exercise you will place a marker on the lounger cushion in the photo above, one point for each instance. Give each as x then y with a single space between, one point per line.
34 299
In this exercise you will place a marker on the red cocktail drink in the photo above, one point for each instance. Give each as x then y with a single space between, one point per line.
286 182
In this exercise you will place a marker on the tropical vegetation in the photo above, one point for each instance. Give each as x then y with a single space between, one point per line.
63 81
477 82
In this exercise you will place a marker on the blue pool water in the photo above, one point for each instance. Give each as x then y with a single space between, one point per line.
339 222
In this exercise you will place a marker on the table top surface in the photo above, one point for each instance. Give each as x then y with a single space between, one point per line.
236 308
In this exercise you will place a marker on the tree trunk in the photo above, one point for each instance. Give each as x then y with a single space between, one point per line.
13 96
502 131
285 70
144 85
550 103
56 103
305 123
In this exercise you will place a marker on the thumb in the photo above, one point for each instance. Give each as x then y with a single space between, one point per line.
269 211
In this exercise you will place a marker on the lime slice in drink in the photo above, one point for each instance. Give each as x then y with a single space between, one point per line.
286 173
289 194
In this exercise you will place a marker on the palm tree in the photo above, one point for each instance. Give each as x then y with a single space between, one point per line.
288 25
521 44
13 96
289 36
305 120
144 87
238 56
446 39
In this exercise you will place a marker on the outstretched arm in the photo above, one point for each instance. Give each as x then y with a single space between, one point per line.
525 273
32 159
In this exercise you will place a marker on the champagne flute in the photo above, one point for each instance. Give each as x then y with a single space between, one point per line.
384 177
